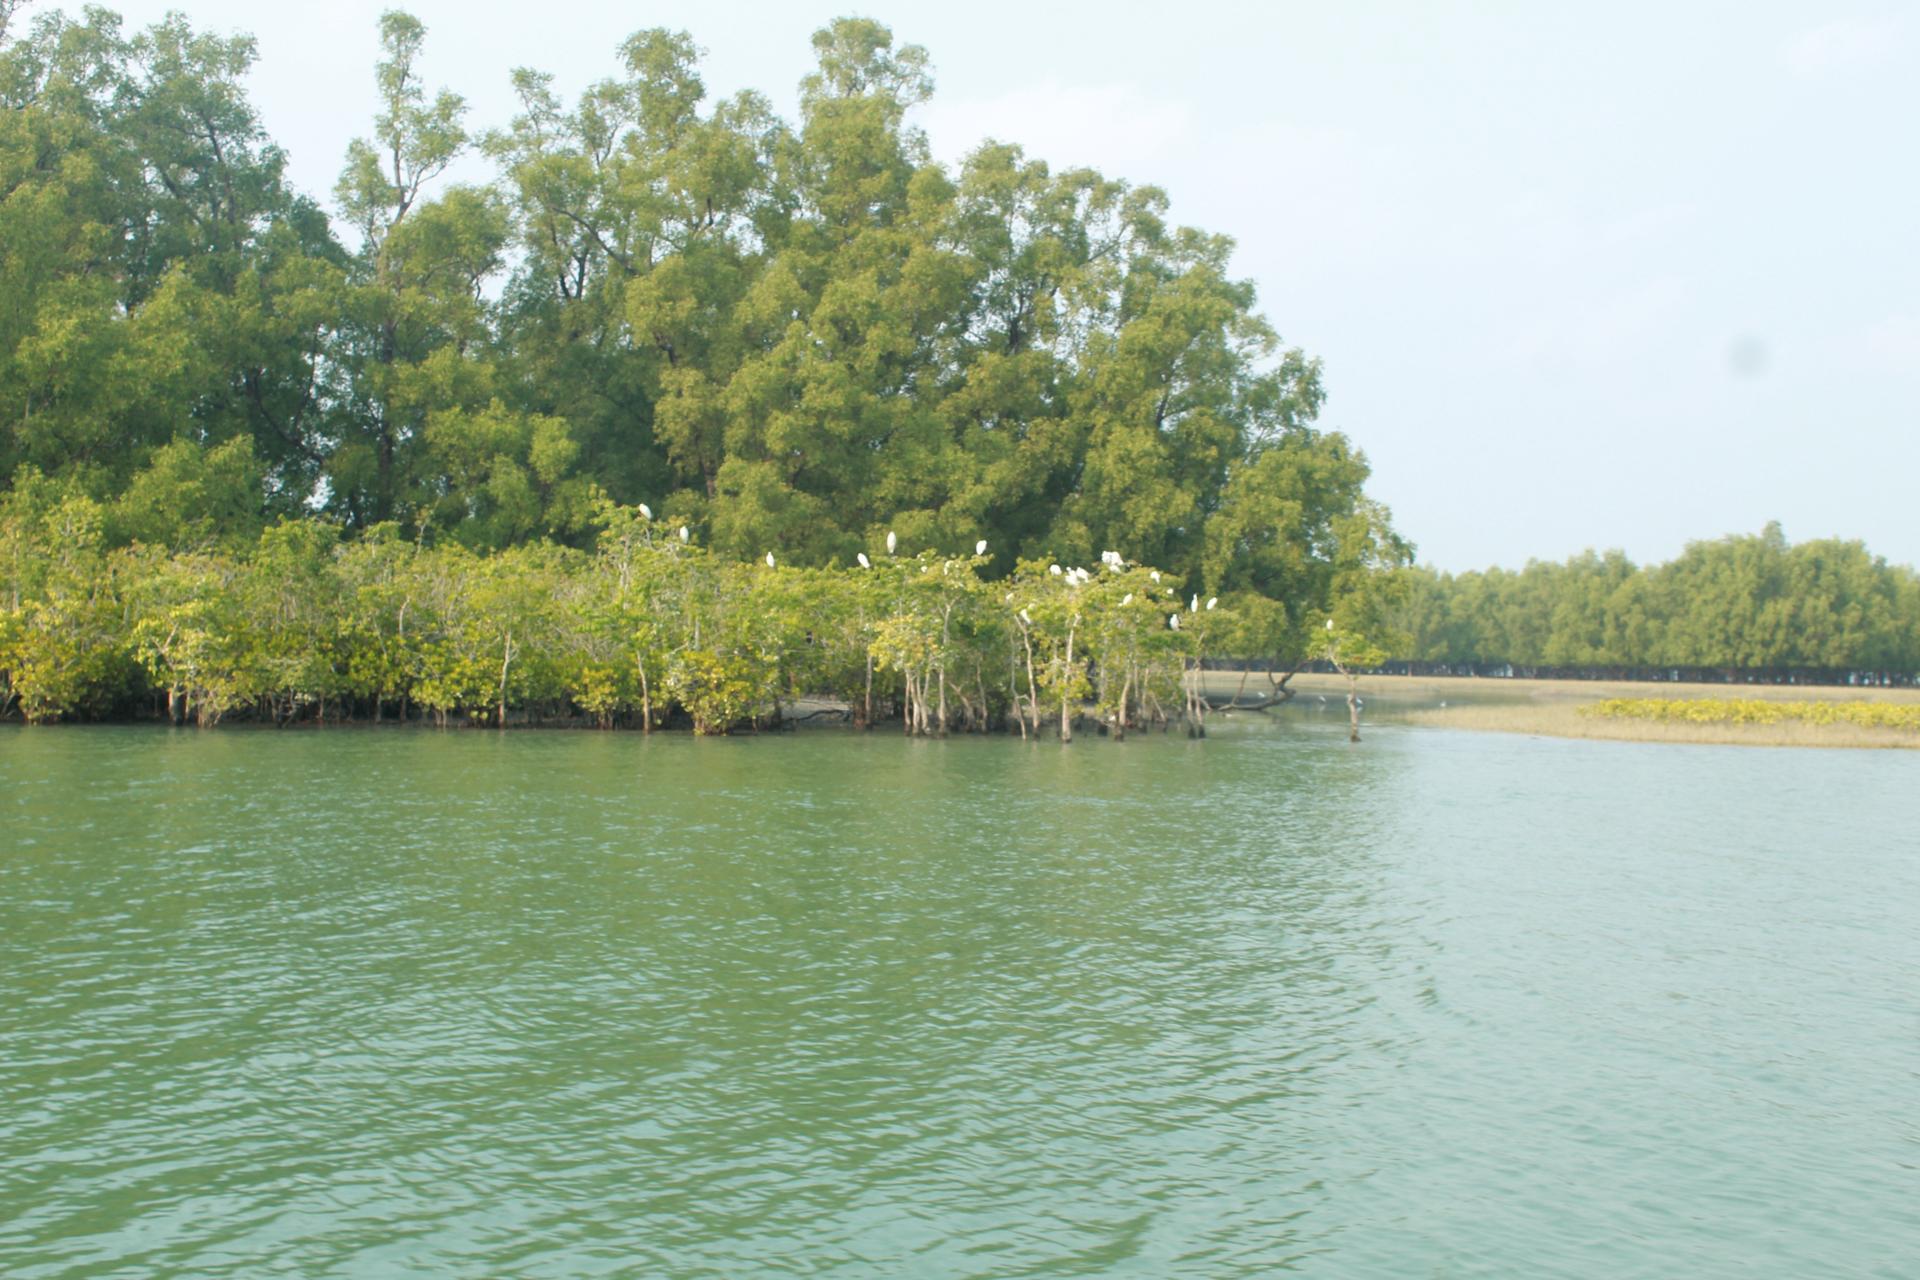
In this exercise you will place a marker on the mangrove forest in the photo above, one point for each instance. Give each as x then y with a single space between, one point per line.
398 454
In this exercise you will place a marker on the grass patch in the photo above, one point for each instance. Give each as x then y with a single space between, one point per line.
1759 711
1818 715
1565 720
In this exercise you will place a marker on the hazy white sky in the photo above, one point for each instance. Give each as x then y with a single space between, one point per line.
1606 275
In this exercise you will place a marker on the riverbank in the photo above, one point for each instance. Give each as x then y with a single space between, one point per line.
1554 708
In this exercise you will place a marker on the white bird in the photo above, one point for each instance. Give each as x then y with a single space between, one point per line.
1195 606
892 541
1128 600
1329 624
980 547
769 559
646 512
861 556
1155 575
1024 617
1173 620
683 533
1055 570
1212 601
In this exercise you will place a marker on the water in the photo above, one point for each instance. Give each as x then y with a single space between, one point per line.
399 1003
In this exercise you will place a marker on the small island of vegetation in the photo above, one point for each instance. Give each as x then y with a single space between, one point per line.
402 462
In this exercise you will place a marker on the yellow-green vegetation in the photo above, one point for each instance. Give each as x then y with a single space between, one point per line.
1562 709
649 628
1873 715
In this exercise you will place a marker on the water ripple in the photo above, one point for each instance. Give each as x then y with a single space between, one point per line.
408 1004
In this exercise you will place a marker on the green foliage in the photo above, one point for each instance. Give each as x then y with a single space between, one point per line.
254 469
791 332
64 646
1752 602
718 690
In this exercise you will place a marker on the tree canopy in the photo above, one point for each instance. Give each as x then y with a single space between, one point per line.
796 332
1745 603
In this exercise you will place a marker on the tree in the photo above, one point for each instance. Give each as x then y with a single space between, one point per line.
1349 653
415 296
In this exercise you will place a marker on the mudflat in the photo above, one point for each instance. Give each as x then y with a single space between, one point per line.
1564 708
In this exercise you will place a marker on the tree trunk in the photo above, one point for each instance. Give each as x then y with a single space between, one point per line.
646 696
506 661
1033 690
1066 697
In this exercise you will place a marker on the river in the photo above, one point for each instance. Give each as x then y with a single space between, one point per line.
405 1003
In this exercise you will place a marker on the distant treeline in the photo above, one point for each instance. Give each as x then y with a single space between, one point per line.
1739 607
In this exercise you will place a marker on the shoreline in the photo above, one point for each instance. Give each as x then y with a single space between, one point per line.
1552 708
1541 708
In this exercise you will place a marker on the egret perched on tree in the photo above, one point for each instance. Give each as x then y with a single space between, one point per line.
1212 601
683 533
769 559
1026 617
861 556
1154 574
646 512
1329 624
1127 601
1195 606
892 541
1173 620
1055 570
980 547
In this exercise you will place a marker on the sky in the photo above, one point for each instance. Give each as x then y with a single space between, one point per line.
1602 276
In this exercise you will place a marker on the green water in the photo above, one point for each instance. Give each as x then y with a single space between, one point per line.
400 1003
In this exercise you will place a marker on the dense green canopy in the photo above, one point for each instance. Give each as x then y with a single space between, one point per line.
794 333
1741 603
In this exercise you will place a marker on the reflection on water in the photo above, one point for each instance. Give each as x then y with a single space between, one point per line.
407 1003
